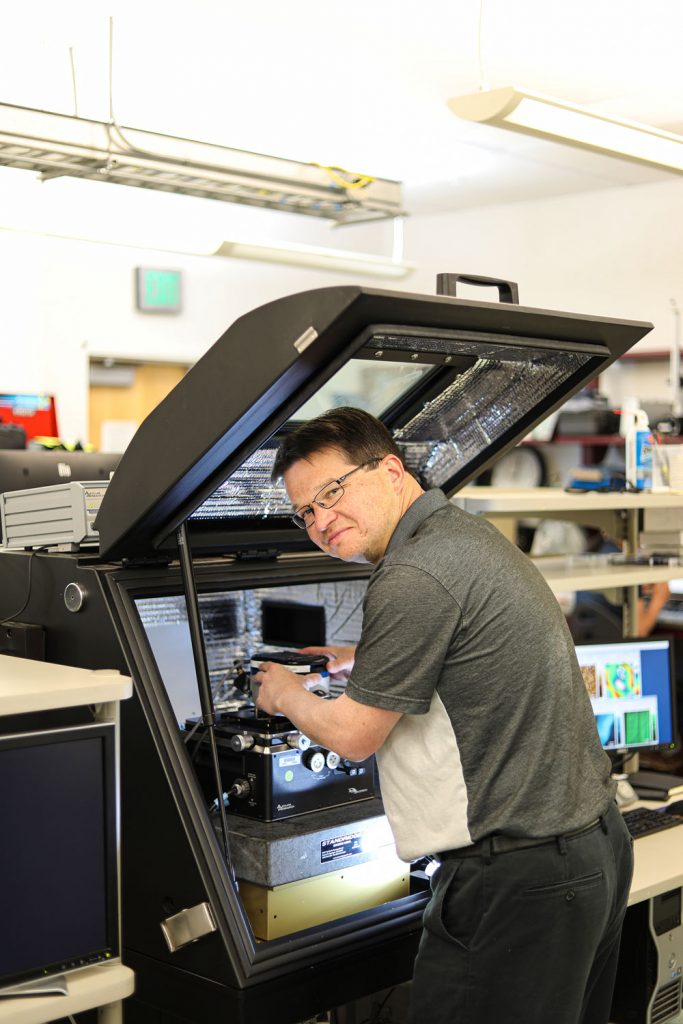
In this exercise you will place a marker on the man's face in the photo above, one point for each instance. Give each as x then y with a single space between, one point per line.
359 526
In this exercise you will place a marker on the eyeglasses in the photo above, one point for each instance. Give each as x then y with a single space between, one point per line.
326 497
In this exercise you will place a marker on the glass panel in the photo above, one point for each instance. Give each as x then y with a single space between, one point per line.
490 398
233 628
477 409
362 384
248 492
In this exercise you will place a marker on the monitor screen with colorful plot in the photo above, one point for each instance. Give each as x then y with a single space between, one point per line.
631 687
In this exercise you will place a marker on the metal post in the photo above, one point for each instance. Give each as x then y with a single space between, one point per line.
203 683
631 603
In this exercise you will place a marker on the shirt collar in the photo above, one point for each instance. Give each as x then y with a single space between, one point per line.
428 503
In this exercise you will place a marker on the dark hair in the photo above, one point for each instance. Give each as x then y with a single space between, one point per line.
353 432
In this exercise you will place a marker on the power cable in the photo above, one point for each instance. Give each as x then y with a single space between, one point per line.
15 615
73 80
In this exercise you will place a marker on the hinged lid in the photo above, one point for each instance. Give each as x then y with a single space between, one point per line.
457 381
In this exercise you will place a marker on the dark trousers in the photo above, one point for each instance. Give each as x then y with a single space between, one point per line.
528 935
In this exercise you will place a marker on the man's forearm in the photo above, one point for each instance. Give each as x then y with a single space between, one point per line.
352 730
319 719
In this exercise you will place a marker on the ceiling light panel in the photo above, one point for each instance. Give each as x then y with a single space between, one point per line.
548 118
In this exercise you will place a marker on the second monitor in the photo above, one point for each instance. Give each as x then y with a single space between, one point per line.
632 689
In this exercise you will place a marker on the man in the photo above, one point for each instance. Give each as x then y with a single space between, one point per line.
466 684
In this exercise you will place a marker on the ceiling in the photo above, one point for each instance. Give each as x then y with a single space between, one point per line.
363 86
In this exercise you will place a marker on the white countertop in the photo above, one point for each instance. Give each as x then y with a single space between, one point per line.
27 686
658 863
87 988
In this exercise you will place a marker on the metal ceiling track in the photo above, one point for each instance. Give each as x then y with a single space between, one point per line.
60 145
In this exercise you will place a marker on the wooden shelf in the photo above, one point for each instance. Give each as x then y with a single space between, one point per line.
539 501
579 573
592 439
654 355
599 440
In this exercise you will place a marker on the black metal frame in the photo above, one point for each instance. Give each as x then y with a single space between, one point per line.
251 962
216 418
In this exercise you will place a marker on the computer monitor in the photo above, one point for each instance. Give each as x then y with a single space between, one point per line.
292 624
34 413
632 689
58 854
34 467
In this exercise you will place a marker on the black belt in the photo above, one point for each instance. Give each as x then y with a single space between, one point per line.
495 844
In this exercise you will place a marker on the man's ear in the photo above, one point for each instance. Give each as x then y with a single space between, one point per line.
396 471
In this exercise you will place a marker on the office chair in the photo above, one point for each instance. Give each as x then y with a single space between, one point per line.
594 621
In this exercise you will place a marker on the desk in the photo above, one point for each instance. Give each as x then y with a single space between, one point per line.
29 686
648 982
658 863
103 985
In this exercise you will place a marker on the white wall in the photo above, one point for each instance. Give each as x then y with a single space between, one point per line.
63 301
614 252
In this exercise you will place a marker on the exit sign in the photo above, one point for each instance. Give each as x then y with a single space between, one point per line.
157 291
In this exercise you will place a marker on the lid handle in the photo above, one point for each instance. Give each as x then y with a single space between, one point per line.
507 290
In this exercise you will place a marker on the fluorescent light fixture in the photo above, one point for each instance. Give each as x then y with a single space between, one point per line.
316 256
57 145
548 118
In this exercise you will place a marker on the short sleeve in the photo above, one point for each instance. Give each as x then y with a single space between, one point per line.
409 619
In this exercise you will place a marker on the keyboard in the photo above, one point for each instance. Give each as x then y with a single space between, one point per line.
643 821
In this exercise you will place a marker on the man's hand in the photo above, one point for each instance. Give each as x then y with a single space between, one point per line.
274 681
339 664
351 729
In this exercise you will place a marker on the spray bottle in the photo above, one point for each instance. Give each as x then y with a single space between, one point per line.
639 444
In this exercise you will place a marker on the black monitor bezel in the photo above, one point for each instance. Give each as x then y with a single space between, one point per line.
23 468
106 731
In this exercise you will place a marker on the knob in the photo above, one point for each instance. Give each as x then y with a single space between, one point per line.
74 597
332 760
298 741
241 741
314 760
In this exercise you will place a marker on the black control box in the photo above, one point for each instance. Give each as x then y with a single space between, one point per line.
271 771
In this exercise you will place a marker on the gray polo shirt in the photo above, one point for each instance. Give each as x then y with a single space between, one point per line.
462 635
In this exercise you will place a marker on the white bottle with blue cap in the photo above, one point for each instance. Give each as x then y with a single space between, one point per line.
639 443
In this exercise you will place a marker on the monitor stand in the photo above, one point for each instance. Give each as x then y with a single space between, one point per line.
625 794
55 985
